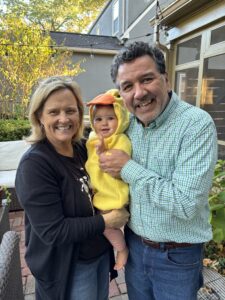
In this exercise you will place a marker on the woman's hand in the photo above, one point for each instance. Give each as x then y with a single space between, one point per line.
116 218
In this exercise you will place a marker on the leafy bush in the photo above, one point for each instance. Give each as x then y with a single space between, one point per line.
4 192
215 249
217 202
215 256
12 130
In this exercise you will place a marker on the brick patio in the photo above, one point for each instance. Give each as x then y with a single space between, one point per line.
215 282
117 287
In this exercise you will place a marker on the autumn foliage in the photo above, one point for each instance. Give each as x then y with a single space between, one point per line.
27 54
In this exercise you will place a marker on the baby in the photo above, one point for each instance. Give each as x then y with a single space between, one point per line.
109 119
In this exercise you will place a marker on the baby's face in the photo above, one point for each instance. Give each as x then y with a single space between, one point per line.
105 121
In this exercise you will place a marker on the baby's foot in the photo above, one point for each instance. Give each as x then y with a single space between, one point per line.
121 259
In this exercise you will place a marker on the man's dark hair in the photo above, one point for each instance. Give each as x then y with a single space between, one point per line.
135 50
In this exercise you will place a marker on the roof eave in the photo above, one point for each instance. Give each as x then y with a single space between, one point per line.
88 50
178 10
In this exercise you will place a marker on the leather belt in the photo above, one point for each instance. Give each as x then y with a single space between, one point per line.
159 245
165 245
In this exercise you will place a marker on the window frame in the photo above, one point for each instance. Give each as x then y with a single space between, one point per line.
114 4
206 51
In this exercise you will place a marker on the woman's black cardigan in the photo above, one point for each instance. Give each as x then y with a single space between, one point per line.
51 201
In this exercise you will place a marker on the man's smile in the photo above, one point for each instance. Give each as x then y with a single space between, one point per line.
144 103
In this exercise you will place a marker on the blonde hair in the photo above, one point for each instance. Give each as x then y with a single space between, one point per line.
44 89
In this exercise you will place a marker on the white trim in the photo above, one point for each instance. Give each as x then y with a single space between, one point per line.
123 15
115 2
189 65
88 50
206 52
198 21
126 33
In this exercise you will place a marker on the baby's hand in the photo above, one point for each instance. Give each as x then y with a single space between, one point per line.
100 146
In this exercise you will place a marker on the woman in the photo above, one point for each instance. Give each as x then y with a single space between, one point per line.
66 250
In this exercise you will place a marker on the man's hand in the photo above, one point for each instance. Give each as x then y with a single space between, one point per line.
112 161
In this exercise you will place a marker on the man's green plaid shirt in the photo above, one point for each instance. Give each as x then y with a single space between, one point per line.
170 174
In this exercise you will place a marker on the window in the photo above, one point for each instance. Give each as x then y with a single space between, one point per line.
116 17
200 73
186 79
186 84
188 51
218 35
213 91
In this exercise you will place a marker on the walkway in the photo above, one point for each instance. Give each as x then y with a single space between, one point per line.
214 290
117 287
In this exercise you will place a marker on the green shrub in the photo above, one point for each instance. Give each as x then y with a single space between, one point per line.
217 202
16 129
215 249
12 130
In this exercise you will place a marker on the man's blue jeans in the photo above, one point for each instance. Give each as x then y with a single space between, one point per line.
90 281
159 274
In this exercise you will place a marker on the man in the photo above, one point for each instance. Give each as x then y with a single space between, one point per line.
170 174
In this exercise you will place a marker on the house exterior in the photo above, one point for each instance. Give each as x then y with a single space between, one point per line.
95 53
192 35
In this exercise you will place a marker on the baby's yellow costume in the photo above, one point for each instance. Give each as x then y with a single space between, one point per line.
109 193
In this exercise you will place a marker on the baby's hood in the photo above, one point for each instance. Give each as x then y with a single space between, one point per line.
111 97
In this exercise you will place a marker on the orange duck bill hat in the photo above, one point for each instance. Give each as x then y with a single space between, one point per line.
102 99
